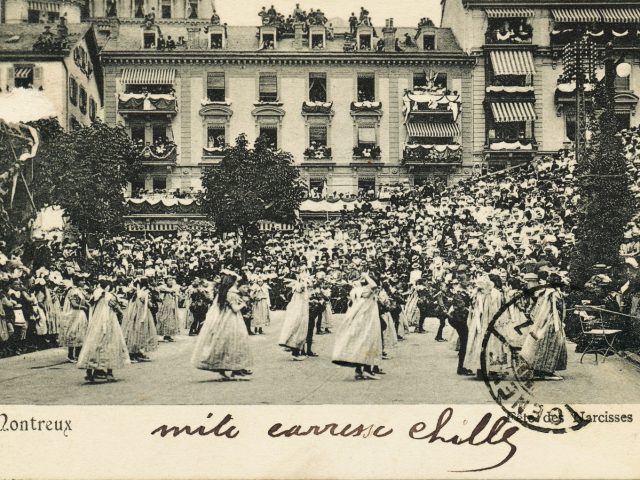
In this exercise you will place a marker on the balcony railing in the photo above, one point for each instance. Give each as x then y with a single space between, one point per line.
367 152
619 36
516 144
318 108
432 154
215 151
317 152
365 106
162 153
509 37
147 103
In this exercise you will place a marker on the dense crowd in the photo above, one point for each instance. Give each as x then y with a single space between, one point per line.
454 253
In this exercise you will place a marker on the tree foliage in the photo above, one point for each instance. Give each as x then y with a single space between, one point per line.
85 171
249 185
607 204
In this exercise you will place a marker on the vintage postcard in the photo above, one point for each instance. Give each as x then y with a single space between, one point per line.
309 240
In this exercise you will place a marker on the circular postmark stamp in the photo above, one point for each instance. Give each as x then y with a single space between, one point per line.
513 347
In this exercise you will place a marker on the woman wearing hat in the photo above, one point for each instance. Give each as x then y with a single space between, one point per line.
223 343
359 339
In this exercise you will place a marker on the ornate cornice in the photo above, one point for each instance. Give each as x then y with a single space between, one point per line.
214 110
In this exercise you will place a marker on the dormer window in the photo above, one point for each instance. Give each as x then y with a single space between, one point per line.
317 40
364 42
428 42
268 41
149 39
216 41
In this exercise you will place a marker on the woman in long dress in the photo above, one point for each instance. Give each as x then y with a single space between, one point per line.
293 335
359 339
138 327
223 343
75 322
168 321
104 347
261 306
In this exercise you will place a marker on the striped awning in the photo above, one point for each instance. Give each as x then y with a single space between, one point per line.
577 15
44 6
621 15
23 72
509 12
505 112
512 62
433 129
148 76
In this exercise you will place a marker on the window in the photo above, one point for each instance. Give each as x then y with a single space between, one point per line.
159 183
165 9
440 80
367 186
53 17
33 16
570 124
82 101
138 134
23 76
216 136
73 91
317 87
316 187
216 41
193 9
317 40
365 42
622 84
624 120
419 79
366 136
216 87
428 42
159 132
137 185
511 132
270 133
366 87
268 41
93 107
149 39
268 89
318 135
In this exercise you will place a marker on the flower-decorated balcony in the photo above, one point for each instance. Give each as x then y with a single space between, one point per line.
366 152
160 153
317 152
499 93
432 154
215 152
317 108
509 27
365 107
517 145
147 103
430 103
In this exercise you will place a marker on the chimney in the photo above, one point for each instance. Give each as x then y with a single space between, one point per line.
389 35
298 34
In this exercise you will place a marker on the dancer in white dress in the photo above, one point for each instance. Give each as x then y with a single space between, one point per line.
223 343
359 339
293 336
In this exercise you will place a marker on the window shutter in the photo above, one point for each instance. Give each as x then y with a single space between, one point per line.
37 77
215 80
268 83
11 76
367 134
318 134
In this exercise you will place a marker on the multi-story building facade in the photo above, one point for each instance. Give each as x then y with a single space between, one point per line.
520 108
391 111
60 63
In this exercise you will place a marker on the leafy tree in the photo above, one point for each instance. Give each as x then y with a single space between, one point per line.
85 171
249 185
607 203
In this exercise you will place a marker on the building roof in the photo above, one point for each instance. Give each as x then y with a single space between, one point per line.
244 39
20 37
549 3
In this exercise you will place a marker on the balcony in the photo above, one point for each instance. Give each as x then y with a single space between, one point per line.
317 108
620 36
161 153
366 107
317 152
509 37
429 104
366 152
147 103
505 93
215 152
512 145
421 155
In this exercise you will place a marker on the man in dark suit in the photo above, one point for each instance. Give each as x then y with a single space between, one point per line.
457 313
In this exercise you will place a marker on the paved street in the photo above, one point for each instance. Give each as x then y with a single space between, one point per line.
419 370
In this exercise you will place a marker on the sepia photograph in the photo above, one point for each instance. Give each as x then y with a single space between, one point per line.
348 203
